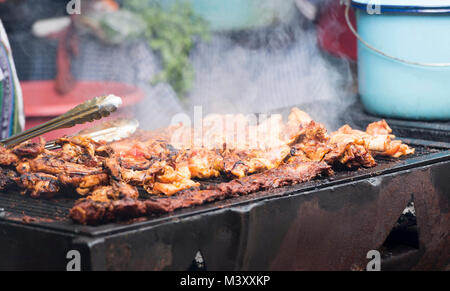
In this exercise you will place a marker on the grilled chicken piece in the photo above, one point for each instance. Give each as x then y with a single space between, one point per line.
29 149
157 179
350 155
102 196
40 184
89 211
377 139
114 191
313 142
153 164
82 177
204 163
275 141
133 171
244 148
174 178
8 177
379 128
84 184
75 165
20 154
172 187
80 150
157 166
7 158
137 147
349 147
54 165
242 163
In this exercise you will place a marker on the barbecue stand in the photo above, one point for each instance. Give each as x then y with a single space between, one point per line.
325 224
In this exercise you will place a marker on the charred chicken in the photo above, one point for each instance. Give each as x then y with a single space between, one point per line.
169 164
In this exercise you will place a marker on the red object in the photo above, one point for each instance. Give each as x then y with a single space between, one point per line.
42 102
67 47
333 34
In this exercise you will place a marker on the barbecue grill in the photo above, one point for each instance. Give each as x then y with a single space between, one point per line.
325 224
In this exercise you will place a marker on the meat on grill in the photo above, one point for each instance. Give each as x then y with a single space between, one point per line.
8 178
40 184
169 163
43 172
92 211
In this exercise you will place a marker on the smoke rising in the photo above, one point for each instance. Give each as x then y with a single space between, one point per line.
259 71
251 71
290 69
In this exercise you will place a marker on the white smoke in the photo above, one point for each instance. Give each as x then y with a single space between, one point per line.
287 68
254 71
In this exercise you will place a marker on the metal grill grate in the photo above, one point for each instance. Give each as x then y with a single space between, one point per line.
53 213
15 205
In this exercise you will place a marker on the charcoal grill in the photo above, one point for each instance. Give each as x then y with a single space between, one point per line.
325 224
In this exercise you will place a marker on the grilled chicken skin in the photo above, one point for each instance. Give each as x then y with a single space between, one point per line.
170 163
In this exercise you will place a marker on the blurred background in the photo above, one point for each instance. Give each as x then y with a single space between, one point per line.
165 57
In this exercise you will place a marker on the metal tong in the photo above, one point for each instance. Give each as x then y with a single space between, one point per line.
107 131
111 130
88 111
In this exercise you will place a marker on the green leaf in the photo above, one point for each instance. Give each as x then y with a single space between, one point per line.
171 32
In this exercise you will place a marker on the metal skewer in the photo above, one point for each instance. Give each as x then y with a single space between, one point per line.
88 111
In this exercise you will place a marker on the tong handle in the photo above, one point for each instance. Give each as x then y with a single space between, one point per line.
88 111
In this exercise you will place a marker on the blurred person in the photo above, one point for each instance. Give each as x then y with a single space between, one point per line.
11 104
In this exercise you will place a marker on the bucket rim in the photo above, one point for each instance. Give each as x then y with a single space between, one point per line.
416 9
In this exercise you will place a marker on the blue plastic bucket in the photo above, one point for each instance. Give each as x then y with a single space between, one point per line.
404 57
225 15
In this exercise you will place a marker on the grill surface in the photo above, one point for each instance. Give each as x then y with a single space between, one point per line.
53 213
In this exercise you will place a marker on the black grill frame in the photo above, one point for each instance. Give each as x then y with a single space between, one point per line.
120 245
291 228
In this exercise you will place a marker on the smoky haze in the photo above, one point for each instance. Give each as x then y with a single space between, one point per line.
252 71
287 69
261 70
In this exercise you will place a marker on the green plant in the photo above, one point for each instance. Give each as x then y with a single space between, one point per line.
171 31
